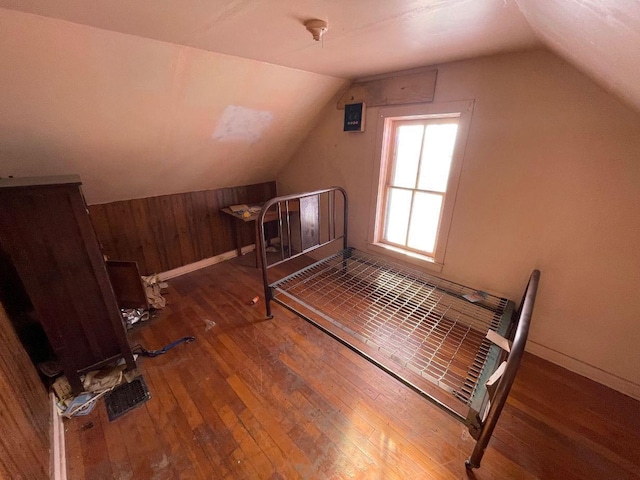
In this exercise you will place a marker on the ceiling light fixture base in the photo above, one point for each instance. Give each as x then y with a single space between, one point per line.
317 28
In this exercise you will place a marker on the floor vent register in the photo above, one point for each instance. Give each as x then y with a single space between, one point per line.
126 397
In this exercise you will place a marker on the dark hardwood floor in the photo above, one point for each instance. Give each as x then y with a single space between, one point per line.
278 399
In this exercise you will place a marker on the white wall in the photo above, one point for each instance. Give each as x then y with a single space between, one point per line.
550 180
137 117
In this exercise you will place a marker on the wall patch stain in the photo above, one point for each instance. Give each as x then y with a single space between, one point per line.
241 124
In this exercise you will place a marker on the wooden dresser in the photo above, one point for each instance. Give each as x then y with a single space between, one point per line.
46 231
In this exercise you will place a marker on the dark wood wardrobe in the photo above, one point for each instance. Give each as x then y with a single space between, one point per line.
47 235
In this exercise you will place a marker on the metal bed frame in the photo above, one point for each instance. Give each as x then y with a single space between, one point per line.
418 328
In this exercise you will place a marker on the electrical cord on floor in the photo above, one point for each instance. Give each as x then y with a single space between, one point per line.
140 350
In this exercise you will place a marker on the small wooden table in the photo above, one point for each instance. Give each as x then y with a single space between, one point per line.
239 217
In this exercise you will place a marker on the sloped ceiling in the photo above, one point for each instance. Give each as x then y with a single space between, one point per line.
600 37
157 106
136 117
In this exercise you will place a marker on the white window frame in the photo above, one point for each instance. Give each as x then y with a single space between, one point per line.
386 118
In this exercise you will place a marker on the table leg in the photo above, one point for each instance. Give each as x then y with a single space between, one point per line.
236 233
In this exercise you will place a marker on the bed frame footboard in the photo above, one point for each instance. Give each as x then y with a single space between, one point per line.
523 319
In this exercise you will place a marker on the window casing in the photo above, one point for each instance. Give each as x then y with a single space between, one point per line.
420 152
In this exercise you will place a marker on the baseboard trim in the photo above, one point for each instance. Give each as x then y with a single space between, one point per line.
58 449
207 262
596 374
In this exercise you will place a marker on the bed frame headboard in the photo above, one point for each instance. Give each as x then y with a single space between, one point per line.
309 220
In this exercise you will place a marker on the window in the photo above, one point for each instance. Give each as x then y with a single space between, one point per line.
420 152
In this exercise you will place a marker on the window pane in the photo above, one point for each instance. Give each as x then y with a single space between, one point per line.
408 142
425 217
439 141
397 220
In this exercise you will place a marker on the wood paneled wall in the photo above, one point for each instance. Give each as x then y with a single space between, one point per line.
166 232
24 411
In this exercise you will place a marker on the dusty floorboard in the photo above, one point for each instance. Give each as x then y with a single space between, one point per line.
278 399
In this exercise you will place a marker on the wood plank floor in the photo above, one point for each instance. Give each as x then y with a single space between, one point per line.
278 399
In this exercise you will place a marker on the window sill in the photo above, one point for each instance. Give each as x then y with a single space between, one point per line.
409 257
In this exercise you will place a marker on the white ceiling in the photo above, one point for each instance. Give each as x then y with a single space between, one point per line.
366 37
600 37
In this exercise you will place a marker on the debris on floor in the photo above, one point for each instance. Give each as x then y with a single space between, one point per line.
131 316
62 390
140 350
153 287
81 405
153 290
96 383
73 406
